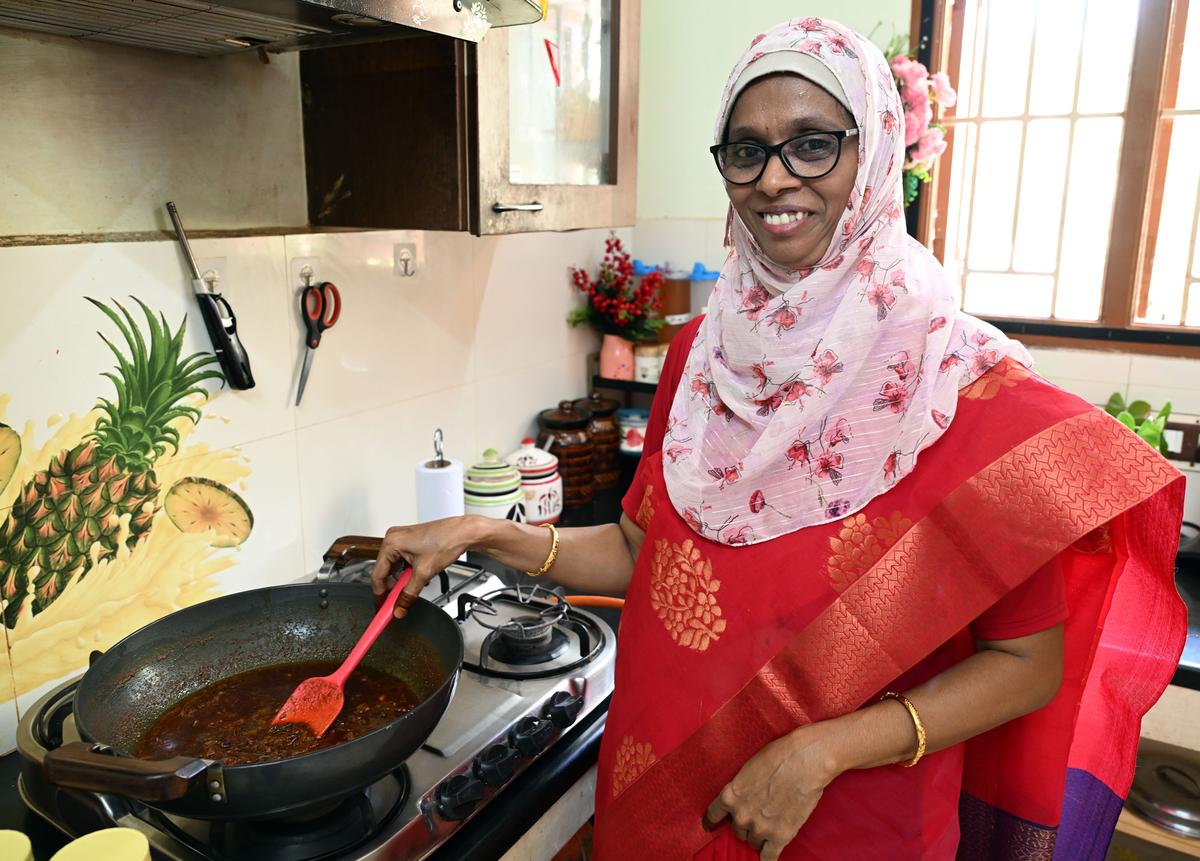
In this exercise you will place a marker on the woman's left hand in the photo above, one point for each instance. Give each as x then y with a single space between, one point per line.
777 790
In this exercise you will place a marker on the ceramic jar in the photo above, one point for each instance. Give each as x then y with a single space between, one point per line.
540 482
492 488
632 424
564 433
647 365
606 439
616 358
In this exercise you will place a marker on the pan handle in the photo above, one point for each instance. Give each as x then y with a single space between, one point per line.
354 547
94 767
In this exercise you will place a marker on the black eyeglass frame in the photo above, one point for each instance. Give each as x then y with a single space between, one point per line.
777 150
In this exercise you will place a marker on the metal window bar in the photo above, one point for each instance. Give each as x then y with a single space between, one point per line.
1012 243
979 58
980 61
1188 281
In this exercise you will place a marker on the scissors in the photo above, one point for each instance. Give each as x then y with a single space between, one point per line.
320 307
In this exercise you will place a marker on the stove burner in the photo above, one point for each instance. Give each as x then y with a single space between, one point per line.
337 829
513 645
550 604
532 633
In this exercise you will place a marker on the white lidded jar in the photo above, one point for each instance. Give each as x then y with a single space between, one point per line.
540 482
492 488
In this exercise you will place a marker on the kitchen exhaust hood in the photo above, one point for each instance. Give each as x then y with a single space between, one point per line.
205 29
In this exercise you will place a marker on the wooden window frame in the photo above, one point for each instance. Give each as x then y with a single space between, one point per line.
1141 168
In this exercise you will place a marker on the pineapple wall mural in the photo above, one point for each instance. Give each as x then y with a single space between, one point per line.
116 519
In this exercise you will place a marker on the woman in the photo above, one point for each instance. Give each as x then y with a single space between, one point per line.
808 610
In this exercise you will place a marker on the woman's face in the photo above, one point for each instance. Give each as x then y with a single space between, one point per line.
770 111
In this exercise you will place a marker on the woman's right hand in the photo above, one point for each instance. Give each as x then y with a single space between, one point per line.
425 547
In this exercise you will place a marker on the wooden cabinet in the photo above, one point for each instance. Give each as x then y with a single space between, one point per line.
535 128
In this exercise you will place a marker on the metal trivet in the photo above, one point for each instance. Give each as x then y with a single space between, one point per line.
545 620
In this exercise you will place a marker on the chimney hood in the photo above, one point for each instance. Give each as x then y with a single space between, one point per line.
207 28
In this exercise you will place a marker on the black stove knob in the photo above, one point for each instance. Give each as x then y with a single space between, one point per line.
495 766
531 735
563 708
457 797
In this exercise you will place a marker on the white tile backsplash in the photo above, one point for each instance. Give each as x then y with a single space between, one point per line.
475 343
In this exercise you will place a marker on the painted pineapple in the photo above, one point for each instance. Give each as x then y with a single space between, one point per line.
68 516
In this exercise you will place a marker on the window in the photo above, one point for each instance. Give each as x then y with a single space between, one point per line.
1070 193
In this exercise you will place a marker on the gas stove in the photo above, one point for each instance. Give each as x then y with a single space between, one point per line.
534 667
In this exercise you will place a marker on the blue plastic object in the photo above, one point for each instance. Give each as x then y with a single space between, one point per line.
642 269
699 273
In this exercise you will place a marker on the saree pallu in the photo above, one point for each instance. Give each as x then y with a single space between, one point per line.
723 649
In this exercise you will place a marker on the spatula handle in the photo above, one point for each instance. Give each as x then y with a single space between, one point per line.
382 617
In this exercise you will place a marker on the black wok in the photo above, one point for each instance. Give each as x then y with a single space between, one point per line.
131 685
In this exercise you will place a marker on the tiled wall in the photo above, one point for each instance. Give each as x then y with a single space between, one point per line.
475 343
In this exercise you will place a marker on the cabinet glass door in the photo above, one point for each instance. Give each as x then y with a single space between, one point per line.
556 108
559 96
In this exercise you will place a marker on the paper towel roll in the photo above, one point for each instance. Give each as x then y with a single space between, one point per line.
439 490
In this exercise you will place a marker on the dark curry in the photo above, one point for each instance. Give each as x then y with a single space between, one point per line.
231 719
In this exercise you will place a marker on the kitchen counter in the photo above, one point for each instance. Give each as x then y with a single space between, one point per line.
1187 579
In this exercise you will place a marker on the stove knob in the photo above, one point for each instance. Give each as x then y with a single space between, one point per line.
457 797
531 735
563 708
495 766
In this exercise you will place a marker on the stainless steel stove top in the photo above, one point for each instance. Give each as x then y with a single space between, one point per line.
521 688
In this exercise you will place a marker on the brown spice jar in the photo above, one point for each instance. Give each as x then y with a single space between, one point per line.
564 433
676 296
606 438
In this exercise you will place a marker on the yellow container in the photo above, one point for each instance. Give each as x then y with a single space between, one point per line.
110 844
14 846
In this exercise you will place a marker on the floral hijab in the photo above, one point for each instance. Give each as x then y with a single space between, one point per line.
809 392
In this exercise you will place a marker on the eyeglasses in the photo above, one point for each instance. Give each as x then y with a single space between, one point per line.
807 156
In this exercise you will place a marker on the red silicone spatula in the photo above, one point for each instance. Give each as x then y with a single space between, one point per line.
318 701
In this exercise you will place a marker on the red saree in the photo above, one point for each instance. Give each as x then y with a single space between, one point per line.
723 649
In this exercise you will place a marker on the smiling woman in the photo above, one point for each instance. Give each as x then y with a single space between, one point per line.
828 649
792 194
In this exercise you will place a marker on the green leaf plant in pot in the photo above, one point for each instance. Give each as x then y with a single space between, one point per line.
1137 417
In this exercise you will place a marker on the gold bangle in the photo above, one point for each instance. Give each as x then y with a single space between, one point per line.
917 724
549 563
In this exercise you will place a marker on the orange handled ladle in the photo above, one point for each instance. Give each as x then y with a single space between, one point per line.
318 701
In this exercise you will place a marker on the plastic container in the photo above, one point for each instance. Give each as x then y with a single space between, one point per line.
701 286
676 304
108 844
15 846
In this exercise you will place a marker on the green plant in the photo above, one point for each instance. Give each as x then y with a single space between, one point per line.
1136 417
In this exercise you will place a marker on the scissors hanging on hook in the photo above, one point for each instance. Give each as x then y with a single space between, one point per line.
320 307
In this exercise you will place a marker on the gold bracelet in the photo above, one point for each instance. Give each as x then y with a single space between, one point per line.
917 724
549 563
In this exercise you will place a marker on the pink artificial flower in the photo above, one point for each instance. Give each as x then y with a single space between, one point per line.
942 91
915 96
915 125
931 145
909 72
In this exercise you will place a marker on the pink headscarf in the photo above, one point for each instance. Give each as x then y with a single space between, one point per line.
803 402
